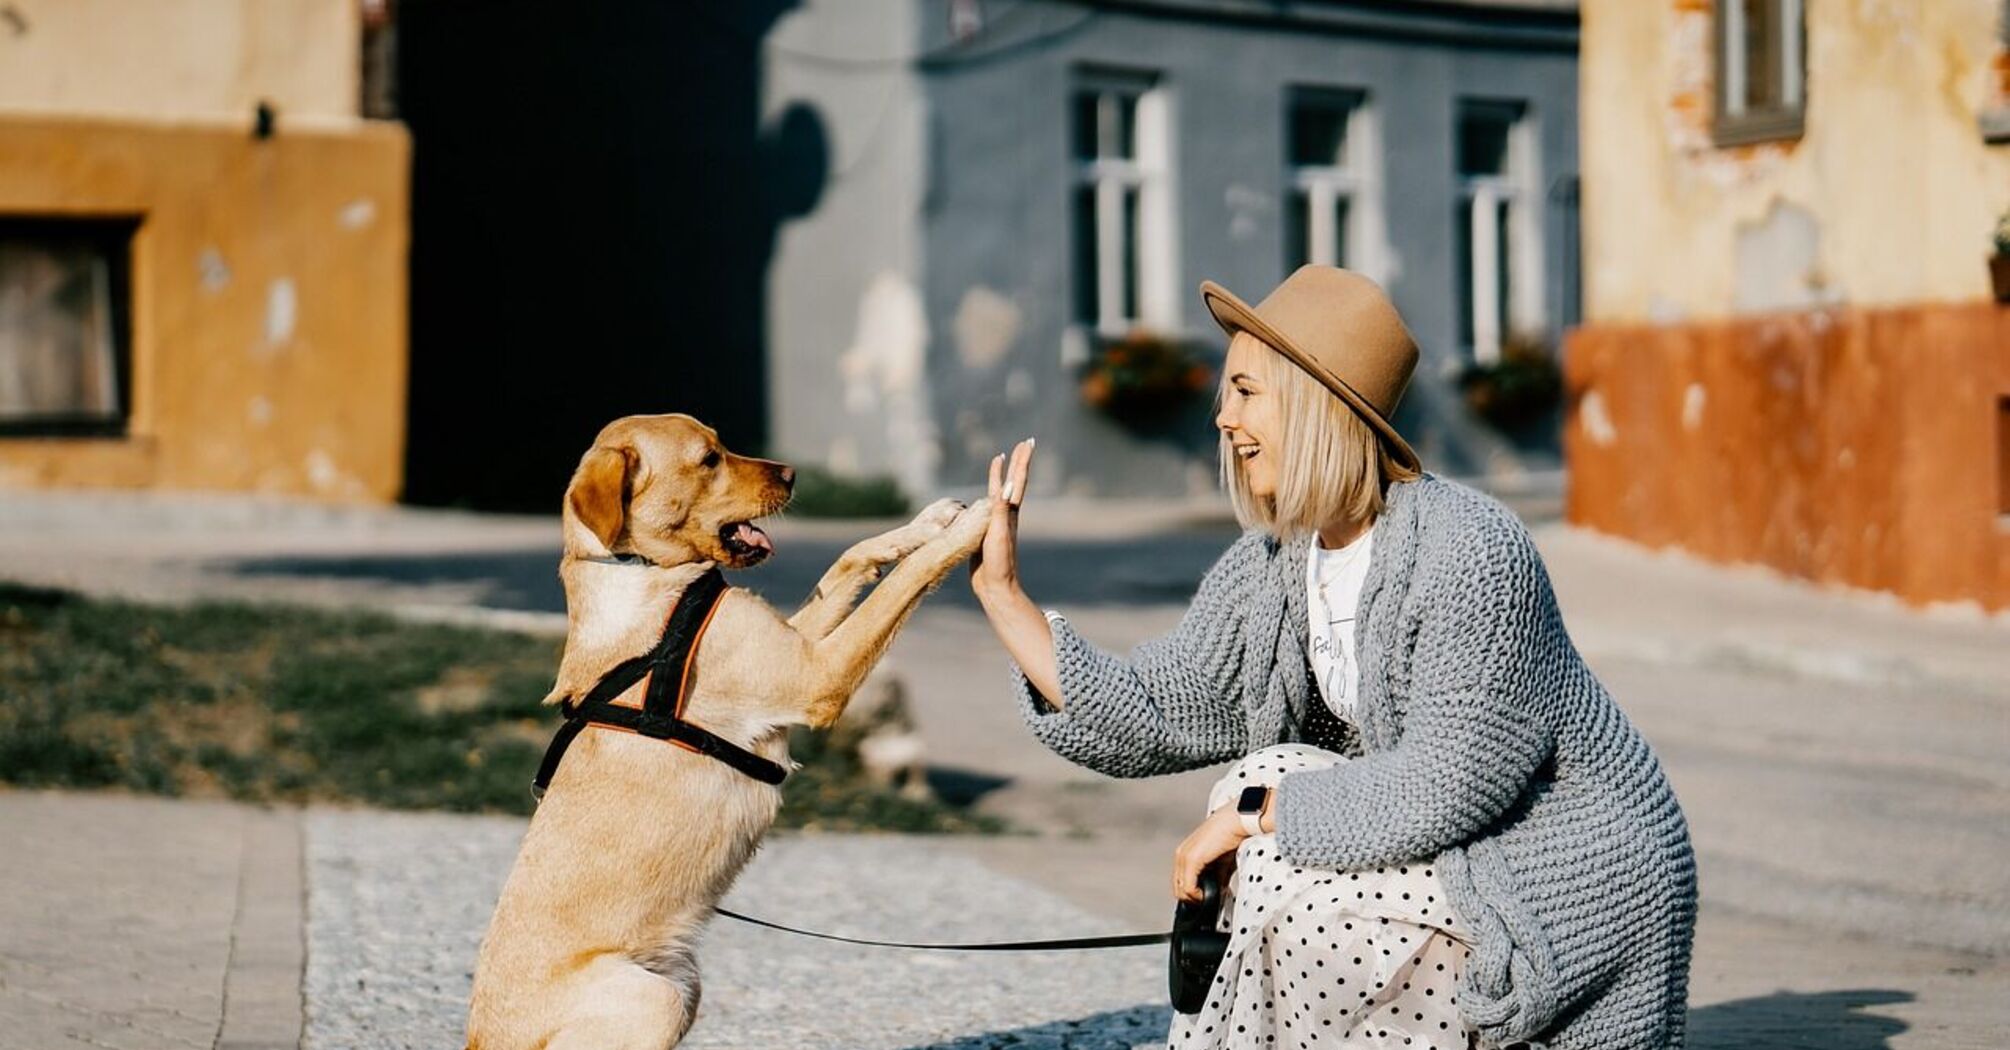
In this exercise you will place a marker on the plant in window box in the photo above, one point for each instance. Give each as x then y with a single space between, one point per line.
1520 389
1145 379
1999 264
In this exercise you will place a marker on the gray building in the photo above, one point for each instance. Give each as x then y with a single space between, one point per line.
1011 189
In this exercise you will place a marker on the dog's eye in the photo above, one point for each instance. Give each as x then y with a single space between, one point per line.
711 458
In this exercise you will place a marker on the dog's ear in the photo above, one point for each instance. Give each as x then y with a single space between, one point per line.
599 492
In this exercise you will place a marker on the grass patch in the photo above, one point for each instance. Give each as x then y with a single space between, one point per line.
272 703
820 493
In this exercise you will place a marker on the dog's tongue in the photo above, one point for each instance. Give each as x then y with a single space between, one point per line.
751 535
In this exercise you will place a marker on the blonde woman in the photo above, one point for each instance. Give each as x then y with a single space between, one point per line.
1443 832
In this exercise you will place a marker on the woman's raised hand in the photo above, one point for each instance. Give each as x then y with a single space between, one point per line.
994 571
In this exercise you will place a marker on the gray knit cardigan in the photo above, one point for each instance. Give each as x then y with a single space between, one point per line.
1485 743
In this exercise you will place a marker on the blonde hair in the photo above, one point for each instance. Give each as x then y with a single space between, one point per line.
1331 466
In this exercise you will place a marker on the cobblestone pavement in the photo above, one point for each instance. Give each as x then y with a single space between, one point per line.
400 901
1840 761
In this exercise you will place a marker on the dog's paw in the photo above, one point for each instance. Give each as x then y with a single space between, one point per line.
967 531
938 515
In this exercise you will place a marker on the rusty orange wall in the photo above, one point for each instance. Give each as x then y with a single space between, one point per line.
224 394
1855 446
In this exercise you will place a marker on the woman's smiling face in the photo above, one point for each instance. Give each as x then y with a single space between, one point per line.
1250 414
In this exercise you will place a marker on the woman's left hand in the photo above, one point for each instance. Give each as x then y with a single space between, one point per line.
1219 835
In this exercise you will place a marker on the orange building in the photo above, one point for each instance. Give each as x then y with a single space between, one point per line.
202 250
1792 355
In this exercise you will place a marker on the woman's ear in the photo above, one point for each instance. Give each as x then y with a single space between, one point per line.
598 494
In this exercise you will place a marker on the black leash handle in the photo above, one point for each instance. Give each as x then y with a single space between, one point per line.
1124 940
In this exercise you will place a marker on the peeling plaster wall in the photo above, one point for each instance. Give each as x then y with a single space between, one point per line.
1893 187
847 329
180 58
999 235
951 180
1792 358
268 302
1849 446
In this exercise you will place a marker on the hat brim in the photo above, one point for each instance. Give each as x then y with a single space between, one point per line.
1234 315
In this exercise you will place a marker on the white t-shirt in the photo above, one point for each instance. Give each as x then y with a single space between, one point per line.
1333 581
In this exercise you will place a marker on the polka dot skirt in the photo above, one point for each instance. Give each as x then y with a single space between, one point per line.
1322 958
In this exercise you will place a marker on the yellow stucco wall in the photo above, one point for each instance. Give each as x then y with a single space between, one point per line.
268 295
1888 197
180 58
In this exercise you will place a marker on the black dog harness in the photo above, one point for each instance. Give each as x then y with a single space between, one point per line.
661 713
1197 948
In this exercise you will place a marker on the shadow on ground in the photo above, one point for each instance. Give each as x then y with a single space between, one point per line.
1781 1021
1791 1020
1140 571
1110 1030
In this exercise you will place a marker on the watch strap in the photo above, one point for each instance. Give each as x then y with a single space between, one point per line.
1252 816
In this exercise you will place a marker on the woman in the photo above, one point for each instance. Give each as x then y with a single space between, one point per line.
1466 755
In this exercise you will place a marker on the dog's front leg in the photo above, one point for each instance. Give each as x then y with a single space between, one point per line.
863 564
841 660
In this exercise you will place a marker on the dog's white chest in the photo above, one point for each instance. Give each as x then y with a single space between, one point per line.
604 629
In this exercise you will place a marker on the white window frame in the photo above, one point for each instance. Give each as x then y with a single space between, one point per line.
1737 122
1480 195
1364 243
1148 171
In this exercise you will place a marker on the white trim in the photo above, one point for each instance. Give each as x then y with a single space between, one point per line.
1482 197
1147 173
1520 243
1732 61
1363 244
1158 213
1790 54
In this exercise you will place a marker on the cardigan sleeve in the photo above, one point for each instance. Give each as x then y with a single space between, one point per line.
1173 704
1474 732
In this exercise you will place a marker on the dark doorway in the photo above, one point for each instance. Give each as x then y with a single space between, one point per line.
593 210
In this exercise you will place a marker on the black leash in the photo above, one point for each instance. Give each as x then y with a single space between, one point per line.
1124 940
661 716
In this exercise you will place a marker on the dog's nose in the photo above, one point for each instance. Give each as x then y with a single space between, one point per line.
788 475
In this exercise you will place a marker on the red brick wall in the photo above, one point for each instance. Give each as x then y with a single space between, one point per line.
1857 447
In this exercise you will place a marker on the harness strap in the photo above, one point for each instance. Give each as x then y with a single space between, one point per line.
661 716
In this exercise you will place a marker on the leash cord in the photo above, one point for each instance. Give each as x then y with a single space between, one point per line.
1126 940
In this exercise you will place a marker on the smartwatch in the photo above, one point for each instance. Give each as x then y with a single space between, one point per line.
1250 808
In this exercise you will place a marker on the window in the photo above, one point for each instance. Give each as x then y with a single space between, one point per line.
1496 225
1122 204
1760 49
1995 116
64 358
1333 213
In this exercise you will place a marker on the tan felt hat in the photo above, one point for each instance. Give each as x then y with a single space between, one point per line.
1342 329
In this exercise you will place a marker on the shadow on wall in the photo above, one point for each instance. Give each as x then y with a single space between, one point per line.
594 206
1783 1020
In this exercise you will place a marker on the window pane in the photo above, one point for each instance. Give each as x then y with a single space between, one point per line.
60 345
1761 50
1124 135
1318 133
1130 253
1483 136
1297 230
1086 306
1462 261
1501 238
1084 130
1340 207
